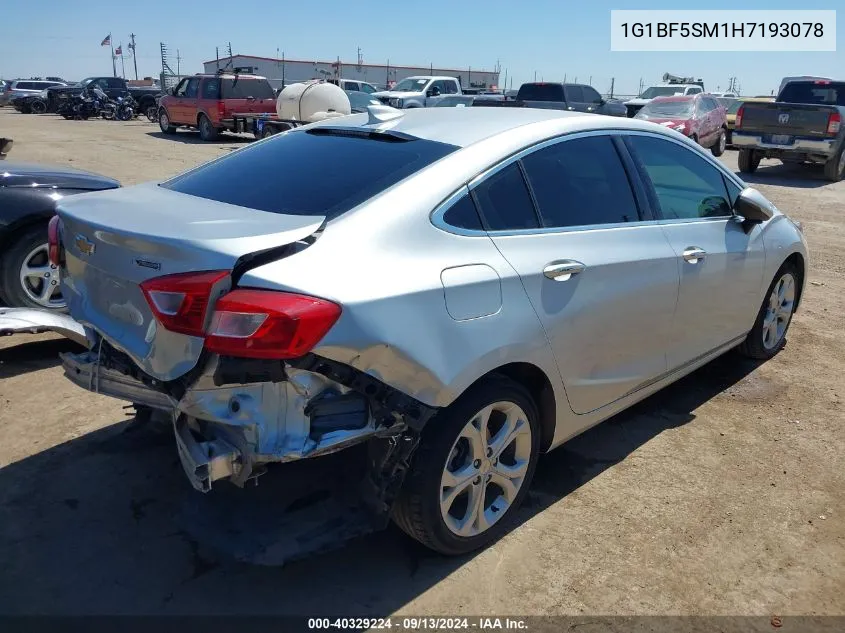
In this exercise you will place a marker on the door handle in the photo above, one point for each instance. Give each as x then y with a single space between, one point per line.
693 254
563 270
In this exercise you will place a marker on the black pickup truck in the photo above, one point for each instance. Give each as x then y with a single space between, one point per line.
804 125
559 96
113 86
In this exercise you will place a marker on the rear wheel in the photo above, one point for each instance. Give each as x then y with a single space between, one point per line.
472 469
38 106
768 335
164 122
719 148
28 279
207 131
748 161
834 169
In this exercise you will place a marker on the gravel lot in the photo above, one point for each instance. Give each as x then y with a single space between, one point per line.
721 495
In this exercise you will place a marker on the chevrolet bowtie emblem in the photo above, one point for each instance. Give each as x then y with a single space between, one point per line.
85 246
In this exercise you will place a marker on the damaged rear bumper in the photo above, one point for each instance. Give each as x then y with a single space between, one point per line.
228 426
32 321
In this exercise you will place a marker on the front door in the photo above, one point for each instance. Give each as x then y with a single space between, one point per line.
720 265
176 107
189 101
602 278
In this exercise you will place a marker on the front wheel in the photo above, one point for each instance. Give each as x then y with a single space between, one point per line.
719 148
748 161
768 335
164 122
38 106
151 113
472 469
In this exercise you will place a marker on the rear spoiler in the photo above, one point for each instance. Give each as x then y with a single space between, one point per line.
5 147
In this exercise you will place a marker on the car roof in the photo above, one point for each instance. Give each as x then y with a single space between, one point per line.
229 76
464 126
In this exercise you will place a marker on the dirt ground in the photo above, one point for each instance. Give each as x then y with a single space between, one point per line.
722 495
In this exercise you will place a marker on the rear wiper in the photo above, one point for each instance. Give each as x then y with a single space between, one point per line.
376 135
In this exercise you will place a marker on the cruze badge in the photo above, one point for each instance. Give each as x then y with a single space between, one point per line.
85 246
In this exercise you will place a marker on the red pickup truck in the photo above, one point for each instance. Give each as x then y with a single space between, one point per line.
207 102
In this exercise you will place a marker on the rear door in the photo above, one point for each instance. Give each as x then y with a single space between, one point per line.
600 274
720 266
574 98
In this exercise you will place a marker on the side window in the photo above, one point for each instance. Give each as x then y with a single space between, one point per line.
367 88
693 91
180 89
192 89
115 84
581 182
211 89
440 85
351 85
23 85
463 214
574 94
591 95
99 83
733 192
451 87
504 201
686 185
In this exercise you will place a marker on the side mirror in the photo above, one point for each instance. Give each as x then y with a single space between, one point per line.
432 92
752 207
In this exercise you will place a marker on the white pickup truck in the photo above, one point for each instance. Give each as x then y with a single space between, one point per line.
661 90
423 91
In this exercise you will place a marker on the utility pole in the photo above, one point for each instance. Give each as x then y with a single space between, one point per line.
612 81
134 56
217 56
564 77
122 64
387 77
113 66
591 80
535 76
178 60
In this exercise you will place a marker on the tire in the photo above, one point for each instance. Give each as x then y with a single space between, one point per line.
834 169
38 106
151 112
719 148
207 131
164 122
418 509
23 294
755 344
748 161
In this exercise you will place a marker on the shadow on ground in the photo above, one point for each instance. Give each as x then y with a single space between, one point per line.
107 523
24 358
777 174
192 137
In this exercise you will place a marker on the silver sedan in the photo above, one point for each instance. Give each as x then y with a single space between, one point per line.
459 288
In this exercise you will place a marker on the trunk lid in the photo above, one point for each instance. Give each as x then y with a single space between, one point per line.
793 119
115 240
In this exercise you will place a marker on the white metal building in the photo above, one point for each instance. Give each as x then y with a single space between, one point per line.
286 71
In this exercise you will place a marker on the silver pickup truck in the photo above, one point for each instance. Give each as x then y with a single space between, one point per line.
804 125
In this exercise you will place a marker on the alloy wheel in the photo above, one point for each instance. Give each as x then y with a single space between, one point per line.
40 279
779 311
723 142
485 469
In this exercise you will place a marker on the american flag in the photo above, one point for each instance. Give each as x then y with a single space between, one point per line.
107 41
118 50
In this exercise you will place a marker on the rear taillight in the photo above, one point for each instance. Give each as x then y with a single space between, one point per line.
738 120
834 122
53 246
245 323
180 302
268 324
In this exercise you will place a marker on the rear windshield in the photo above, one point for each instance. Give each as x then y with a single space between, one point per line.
309 173
661 109
540 92
241 88
821 93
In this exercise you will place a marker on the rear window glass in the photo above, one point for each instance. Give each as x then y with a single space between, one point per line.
830 93
309 173
540 92
241 88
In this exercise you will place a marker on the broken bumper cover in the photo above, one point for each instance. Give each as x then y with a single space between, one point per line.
32 321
